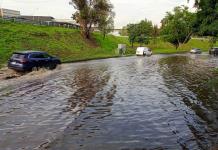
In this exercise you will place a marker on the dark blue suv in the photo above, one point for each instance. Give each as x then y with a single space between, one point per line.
31 60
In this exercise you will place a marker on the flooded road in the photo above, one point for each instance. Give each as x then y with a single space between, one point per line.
134 103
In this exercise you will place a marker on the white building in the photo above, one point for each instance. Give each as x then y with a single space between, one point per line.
9 13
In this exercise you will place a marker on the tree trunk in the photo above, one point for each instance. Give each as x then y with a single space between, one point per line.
104 35
187 37
177 46
86 29
87 34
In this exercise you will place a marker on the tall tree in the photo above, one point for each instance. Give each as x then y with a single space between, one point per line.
106 25
131 30
144 31
155 33
123 31
207 18
90 13
177 26
140 32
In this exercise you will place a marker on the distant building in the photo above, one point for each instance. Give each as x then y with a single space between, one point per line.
4 13
68 23
37 18
14 15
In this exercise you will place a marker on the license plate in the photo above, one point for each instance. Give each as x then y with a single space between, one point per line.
13 63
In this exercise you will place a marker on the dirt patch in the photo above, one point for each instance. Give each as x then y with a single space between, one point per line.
91 42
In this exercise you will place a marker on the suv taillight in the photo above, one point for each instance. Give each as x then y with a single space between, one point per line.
23 61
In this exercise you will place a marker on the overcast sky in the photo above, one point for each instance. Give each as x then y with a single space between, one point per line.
127 11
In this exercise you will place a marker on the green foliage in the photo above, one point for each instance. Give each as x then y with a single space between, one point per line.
131 30
155 33
177 27
207 17
124 31
106 25
91 12
140 32
162 47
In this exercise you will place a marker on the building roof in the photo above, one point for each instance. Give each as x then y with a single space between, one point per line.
68 21
9 9
37 18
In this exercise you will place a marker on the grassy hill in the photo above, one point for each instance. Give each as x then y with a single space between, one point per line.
69 45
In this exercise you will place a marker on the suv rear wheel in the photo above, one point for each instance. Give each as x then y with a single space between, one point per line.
35 69
52 66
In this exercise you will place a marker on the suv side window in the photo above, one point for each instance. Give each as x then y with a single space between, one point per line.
45 55
36 56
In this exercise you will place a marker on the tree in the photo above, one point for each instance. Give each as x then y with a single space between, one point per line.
131 29
123 31
177 27
140 32
207 19
90 12
144 30
106 25
155 33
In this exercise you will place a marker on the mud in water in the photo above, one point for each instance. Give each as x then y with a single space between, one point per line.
6 74
158 102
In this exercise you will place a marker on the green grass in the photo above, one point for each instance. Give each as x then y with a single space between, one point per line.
69 45
162 47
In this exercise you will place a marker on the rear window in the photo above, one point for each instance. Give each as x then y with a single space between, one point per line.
18 56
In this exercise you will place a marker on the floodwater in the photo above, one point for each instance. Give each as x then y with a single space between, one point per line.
134 103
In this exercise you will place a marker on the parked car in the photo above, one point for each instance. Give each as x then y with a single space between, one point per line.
214 51
30 60
196 51
143 51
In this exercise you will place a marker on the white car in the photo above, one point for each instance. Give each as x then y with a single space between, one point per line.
195 51
143 51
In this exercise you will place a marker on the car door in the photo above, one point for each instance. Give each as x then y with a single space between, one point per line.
46 60
37 59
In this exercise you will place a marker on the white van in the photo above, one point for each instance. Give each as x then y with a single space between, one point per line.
143 51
